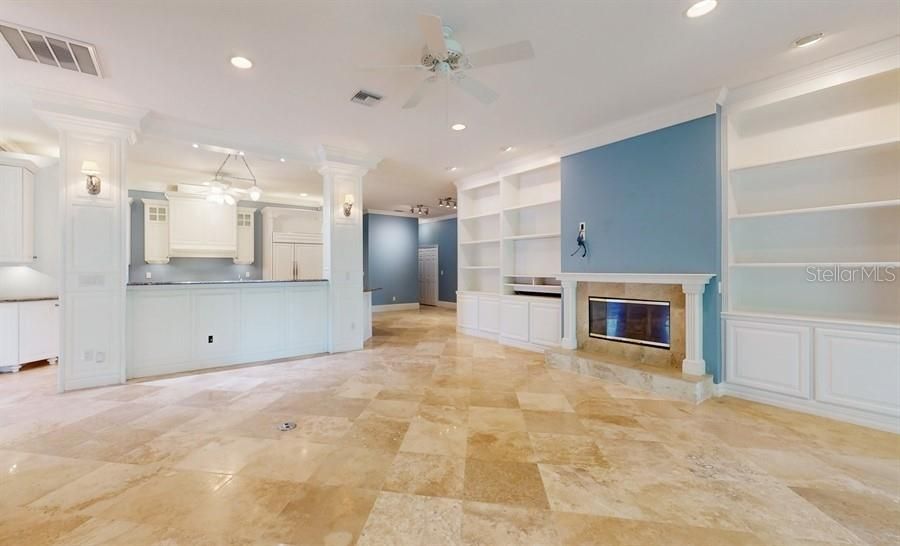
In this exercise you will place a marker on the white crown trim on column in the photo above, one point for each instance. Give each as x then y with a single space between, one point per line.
65 111
333 157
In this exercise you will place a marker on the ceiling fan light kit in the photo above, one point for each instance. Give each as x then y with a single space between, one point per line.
221 189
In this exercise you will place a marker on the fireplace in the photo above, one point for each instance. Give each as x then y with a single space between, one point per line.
641 322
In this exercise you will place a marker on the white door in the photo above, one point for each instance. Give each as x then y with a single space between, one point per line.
282 261
428 276
309 261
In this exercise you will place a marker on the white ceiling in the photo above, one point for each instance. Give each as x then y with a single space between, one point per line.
595 62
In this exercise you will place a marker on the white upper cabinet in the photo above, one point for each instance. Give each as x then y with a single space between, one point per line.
245 241
201 229
156 231
17 217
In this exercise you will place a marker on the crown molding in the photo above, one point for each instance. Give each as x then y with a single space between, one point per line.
688 109
859 63
508 168
345 160
437 219
68 112
31 162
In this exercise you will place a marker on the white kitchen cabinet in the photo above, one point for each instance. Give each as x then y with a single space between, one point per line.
17 218
283 265
291 226
29 331
245 236
156 231
467 311
201 229
489 313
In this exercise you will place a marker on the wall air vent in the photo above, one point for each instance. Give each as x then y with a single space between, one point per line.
41 47
366 98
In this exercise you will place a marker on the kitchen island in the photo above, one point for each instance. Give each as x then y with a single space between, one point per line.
186 326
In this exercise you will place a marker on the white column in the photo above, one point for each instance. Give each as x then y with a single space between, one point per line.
342 175
93 264
570 312
693 363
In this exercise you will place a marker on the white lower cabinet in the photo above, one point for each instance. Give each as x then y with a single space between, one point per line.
467 311
29 332
845 372
544 323
489 314
514 319
522 321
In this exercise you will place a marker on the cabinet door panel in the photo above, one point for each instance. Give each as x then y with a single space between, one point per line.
544 323
282 261
514 319
772 357
12 220
467 311
9 335
38 331
489 314
309 261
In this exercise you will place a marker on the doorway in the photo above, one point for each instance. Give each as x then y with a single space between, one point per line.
428 275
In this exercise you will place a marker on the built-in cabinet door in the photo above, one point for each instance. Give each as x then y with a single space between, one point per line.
768 356
514 319
489 314
283 262
38 330
245 243
156 231
309 261
9 336
467 311
17 217
545 323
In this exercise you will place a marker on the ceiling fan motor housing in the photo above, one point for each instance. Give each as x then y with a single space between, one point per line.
455 54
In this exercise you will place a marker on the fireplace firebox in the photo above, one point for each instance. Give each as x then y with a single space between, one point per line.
643 322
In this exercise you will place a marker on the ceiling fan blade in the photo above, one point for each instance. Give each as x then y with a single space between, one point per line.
509 53
418 94
395 67
433 31
483 93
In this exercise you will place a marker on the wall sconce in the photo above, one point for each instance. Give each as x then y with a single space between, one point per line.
348 204
90 169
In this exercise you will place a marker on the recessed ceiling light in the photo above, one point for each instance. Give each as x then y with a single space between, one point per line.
303 194
458 126
808 40
452 169
281 159
241 62
701 8
195 145
240 153
508 149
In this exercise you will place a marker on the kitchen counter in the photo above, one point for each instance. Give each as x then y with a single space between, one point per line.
20 300
195 283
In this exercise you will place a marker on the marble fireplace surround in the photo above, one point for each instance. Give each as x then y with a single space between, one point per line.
692 285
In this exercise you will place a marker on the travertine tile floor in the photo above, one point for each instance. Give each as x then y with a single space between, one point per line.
428 438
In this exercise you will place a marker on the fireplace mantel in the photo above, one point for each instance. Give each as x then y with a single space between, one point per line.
692 284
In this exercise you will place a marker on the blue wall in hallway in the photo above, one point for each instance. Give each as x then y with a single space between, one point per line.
391 258
652 205
443 234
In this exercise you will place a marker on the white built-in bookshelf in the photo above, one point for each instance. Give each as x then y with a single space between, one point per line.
814 182
509 254
811 203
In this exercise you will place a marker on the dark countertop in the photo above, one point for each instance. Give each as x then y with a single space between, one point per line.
20 300
370 289
190 283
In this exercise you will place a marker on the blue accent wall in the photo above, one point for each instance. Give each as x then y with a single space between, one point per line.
190 269
391 258
652 205
443 234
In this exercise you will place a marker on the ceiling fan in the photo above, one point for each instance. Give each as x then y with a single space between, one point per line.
446 59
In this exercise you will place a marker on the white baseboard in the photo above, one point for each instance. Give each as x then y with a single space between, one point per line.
447 304
838 413
477 333
395 307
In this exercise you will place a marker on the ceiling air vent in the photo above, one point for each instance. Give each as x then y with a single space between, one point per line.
36 46
366 98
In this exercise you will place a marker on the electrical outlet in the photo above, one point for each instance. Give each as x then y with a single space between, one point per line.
442 272
87 356
209 339
148 275
246 274
394 298
101 357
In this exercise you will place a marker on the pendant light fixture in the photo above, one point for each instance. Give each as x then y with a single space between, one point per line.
222 190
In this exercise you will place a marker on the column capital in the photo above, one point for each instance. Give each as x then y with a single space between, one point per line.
91 116
693 288
334 160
